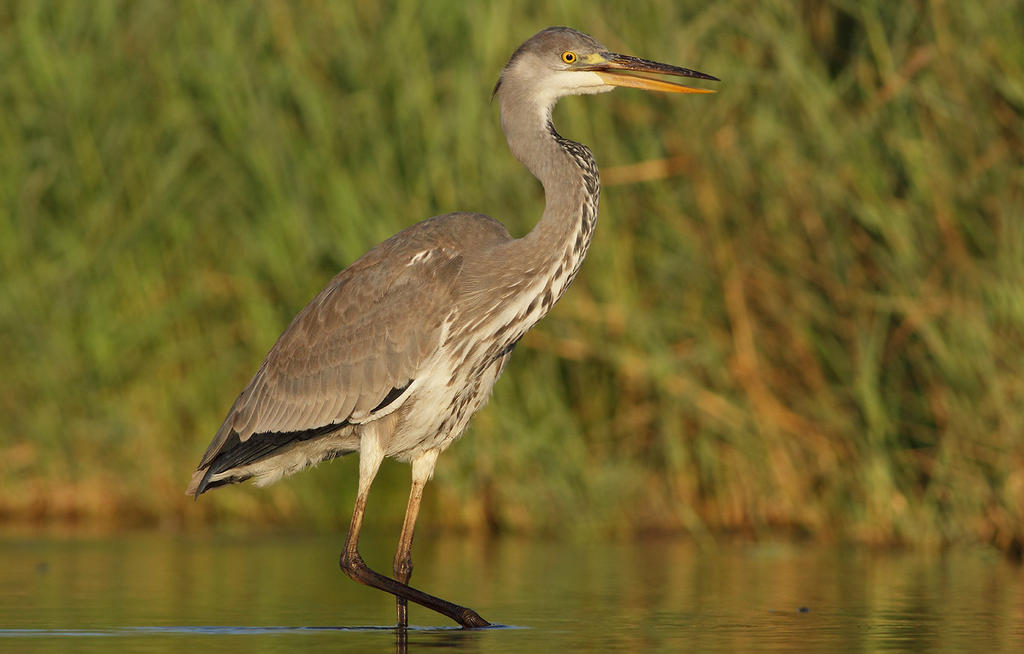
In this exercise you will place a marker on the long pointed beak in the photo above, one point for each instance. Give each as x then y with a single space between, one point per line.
607 65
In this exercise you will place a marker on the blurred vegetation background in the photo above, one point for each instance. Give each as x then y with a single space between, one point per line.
803 311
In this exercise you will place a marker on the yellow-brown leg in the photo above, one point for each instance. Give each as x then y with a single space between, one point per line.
353 565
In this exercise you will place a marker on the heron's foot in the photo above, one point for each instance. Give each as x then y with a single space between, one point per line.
354 566
466 617
470 619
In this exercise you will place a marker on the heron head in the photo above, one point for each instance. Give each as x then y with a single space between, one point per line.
560 61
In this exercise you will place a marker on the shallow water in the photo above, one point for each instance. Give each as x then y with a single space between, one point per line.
275 593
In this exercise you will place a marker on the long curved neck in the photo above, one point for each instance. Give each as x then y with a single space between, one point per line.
514 284
555 247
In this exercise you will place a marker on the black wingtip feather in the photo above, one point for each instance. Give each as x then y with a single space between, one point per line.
236 453
204 484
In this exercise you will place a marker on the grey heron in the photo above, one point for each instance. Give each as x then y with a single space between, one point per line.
401 348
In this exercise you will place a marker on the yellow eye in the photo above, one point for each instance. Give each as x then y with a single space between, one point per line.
569 57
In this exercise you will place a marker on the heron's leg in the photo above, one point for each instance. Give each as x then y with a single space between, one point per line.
370 456
422 471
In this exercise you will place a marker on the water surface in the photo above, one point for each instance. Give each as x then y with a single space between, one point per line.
276 593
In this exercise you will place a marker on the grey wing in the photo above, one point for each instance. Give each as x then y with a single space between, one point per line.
346 358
